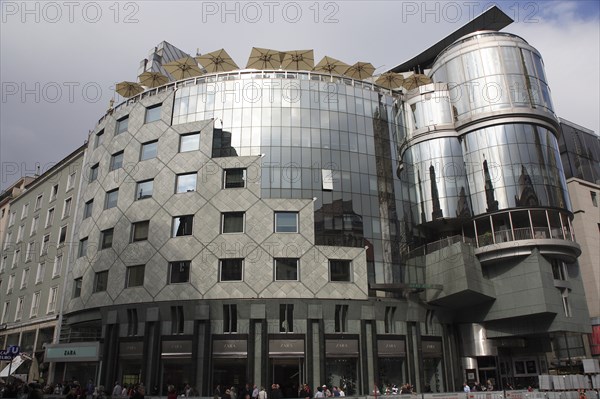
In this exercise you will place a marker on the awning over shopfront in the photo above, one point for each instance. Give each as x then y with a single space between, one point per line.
13 366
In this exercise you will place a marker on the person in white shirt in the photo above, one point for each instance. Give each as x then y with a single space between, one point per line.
466 388
117 389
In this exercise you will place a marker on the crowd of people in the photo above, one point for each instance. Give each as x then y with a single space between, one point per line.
275 392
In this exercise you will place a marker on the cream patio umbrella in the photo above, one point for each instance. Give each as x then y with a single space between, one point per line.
183 68
153 79
331 65
262 58
415 80
298 60
360 70
217 61
128 89
390 80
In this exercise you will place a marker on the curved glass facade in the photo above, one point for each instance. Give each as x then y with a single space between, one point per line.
512 166
308 126
493 72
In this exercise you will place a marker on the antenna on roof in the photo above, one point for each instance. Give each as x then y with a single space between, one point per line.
198 51
37 170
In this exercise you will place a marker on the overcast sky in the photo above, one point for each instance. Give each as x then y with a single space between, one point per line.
59 61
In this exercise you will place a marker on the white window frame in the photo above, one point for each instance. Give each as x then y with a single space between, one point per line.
25 211
65 227
35 222
11 219
57 267
53 192
15 259
71 181
3 262
52 298
10 286
50 217
30 251
35 304
5 312
41 270
7 239
38 201
68 204
24 278
19 309
45 244
20 233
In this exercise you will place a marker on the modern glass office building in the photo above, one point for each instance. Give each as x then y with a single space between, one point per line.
283 226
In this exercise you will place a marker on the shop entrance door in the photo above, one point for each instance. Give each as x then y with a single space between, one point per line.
289 374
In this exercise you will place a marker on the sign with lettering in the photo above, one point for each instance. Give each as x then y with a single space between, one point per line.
76 352
176 348
286 347
391 347
341 347
230 347
431 349
131 349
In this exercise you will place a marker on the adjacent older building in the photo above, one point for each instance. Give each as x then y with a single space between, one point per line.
34 259
580 153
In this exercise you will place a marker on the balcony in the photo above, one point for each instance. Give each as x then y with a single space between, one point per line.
516 232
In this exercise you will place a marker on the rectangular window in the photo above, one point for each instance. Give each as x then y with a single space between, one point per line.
327 179
30 251
230 318
106 238
179 272
53 296
558 269
233 222
3 264
82 250
24 278
111 199
116 161
389 320
149 150
41 271
177 321
235 178
286 318
565 301
101 281
94 172
132 322
339 270
139 230
5 312
16 258
71 181
8 239
135 276
20 233
594 198
45 244
231 270
77 287
34 225
99 139
62 236
19 311
88 208
182 225
11 284
38 201
286 269
67 208
11 218
35 303
53 192
144 189
50 217
189 142
57 268
153 113
186 183
341 321
25 211
122 125
286 222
